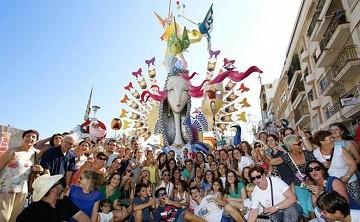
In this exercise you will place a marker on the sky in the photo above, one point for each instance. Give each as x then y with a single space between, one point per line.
53 52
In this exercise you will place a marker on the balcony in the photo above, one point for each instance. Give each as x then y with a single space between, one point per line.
349 110
310 79
343 68
331 111
333 39
315 104
296 78
325 82
314 21
297 96
302 116
305 55
346 65
317 20
294 67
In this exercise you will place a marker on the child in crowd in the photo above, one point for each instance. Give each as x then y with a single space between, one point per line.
142 203
245 210
105 215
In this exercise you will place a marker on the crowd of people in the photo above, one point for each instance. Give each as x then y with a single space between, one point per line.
294 175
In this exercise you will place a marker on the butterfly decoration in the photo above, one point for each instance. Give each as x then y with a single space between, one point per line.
242 116
243 88
137 73
229 64
150 61
123 113
125 99
244 103
214 53
129 86
126 124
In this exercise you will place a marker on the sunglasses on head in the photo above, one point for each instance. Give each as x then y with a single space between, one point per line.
256 177
316 168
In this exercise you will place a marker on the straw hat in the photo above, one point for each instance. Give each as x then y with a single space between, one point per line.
43 184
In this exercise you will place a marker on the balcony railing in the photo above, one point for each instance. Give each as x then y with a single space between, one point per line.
296 92
315 18
313 23
346 55
300 113
354 92
338 18
332 110
325 82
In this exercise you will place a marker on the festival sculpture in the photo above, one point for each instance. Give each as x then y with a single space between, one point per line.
167 111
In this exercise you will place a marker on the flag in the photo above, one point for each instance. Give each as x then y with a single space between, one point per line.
88 107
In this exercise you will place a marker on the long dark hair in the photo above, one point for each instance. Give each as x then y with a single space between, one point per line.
162 165
213 177
323 168
227 184
219 181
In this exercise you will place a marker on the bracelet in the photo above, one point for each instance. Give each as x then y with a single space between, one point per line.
348 176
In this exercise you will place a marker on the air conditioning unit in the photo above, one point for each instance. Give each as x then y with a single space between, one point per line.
349 101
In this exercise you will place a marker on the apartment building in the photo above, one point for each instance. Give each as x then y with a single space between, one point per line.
320 80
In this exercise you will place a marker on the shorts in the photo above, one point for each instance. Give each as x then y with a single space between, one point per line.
304 199
181 217
226 218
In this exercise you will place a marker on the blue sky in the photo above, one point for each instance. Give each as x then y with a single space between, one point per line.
53 52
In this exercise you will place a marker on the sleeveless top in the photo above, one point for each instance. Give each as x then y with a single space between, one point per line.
338 166
169 187
14 176
179 197
151 169
352 202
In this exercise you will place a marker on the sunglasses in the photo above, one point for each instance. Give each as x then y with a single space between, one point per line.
257 146
256 177
162 194
102 158
317 168
298 144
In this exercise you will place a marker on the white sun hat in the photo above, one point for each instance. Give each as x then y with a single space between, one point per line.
42 185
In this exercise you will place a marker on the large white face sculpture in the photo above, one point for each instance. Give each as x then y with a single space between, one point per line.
178 93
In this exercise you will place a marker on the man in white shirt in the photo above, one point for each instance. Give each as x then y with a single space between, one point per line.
212 211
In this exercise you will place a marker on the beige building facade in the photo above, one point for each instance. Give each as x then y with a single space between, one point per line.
320 80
